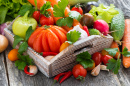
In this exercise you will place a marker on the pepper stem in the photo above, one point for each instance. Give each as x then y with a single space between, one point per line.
25 17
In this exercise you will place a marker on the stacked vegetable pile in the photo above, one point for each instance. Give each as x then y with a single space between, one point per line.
52 26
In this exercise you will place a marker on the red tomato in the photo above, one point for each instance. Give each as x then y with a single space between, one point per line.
47 38
105 59
79 71
37 45
36 15
78 9
97 57
46 20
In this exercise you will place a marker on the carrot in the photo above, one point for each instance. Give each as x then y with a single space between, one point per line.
39 3
126 43
67 28
76 22
115 45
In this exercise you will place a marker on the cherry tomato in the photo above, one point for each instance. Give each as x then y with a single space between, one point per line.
46 20
97 57
105 59
78 9
36 15
79 72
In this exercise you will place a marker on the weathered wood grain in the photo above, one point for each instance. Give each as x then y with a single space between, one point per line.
3 73
19 78
124 5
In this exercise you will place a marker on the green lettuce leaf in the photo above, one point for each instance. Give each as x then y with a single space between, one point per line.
103 12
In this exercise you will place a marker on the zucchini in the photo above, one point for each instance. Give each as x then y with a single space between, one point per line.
74 2
117 26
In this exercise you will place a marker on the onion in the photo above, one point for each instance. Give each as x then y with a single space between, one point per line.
3 43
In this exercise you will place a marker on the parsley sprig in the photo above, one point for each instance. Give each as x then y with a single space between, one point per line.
114 65
73 36
23 59
85 59
59 11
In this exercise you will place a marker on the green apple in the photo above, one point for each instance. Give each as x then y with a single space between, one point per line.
21 25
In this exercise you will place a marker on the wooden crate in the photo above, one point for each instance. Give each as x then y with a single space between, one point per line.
66 59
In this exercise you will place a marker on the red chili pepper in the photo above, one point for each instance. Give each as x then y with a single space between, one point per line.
86 29
26 71
67 75
57 77
48 53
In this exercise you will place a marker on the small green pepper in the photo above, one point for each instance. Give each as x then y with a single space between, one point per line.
21 25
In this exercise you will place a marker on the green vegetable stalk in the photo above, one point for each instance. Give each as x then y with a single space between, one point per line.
21 25
73 2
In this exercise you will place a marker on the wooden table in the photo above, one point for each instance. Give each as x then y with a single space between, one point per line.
11 76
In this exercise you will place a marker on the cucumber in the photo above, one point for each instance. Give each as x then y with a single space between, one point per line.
94 32
74 2
117 26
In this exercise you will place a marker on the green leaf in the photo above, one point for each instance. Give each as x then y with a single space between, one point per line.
65 21
87 63
26 8
45 7
79 59
112 51
60 8
29 60
125 52
17 39
28 33
23 47
114 65
75 15
73 36
3 12
104 12
20 64
84 55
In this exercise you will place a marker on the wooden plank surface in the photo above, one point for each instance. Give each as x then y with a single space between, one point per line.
3 73
19 78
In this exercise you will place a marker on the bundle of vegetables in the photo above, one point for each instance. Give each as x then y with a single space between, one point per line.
53 26
9 9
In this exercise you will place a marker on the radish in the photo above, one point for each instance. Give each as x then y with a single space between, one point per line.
102 26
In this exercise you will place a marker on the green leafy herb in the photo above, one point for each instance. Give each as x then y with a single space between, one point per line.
104 12
45 7
20 64
17 39
26 8
75 15
125 52
114 65
60 8
65 21
87 63
112 51
28 33
84 55
85 59
73 36
23 61
23 47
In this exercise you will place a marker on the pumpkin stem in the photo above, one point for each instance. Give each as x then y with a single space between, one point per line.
46 27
